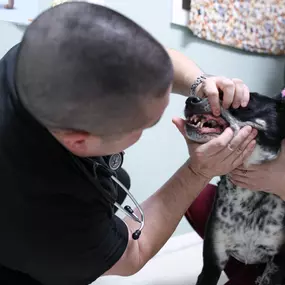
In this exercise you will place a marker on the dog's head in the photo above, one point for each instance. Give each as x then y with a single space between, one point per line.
265 114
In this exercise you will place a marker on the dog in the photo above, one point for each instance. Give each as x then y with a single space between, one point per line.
244 224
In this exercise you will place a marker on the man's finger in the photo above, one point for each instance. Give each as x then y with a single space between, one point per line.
228 88
243 174
239 93
244 155
244 144
180 125
240 183
212 93
236 175
218 144
237 144
249 168
246 96
250 186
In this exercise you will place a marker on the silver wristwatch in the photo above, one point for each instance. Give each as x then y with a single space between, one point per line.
200 79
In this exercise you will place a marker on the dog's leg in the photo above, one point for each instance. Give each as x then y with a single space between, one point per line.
271 274
274 273
215 254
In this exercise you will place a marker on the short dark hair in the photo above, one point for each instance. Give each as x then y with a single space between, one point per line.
83 67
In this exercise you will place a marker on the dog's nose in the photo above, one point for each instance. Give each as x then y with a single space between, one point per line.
192 100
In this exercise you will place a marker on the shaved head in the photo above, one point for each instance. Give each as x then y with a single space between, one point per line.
88 68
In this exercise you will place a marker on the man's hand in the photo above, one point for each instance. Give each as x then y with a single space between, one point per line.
268 177
222 154
236 93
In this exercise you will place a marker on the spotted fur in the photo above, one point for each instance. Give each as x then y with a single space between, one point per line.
244 224
249 224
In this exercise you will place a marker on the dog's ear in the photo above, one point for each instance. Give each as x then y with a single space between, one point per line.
280 95
280 101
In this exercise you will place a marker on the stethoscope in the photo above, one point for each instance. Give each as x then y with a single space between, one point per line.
108 165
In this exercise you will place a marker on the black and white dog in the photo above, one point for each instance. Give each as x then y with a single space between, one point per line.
244 224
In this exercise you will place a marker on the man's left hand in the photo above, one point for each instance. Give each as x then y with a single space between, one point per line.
268 176
235 92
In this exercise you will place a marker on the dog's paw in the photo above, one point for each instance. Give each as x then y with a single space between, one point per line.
258 280
263 280
270 271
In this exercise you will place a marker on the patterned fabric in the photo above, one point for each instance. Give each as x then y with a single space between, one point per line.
251 25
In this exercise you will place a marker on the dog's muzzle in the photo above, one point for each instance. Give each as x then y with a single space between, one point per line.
202 126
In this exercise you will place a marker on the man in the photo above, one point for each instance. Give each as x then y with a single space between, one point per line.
83 84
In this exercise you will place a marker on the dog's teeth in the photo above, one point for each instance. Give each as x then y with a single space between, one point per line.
203 121
200 124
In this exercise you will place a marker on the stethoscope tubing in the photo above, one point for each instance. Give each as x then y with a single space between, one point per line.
127 210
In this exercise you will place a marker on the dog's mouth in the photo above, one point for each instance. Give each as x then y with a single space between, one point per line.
204 127
206 124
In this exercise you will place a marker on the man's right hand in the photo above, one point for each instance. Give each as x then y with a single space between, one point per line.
220 155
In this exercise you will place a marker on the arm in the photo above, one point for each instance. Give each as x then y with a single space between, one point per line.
165 208
163 211
236 93
185 72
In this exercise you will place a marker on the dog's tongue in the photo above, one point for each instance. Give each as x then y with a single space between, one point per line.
206 130
218 129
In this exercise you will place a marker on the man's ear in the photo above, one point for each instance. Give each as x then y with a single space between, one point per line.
74 141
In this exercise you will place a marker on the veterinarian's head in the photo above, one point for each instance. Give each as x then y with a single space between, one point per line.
93 77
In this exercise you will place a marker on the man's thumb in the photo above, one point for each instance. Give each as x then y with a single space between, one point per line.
180 124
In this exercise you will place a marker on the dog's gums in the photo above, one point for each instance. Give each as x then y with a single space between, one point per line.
206 124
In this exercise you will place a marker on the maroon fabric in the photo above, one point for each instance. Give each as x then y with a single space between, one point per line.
197 215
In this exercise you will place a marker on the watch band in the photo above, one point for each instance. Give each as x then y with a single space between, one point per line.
196 83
